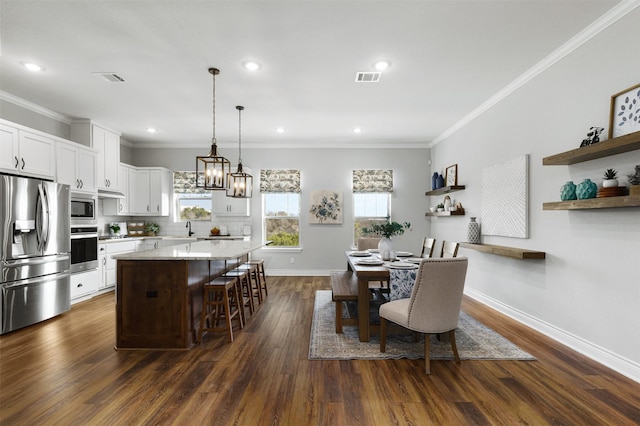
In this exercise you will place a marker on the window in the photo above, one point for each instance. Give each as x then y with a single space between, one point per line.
281 207
371 198
282 219
192 203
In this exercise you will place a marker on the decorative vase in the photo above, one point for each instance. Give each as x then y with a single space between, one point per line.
385 247
473 232
434 181
447 203
610 183
440 183
586 189
568 191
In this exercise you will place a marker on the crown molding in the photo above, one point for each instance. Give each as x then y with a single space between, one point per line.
23 103
600 24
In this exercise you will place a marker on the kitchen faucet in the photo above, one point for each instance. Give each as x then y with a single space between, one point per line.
189 226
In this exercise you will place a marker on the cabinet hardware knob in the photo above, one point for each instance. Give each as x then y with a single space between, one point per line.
17 161
23 164
79 285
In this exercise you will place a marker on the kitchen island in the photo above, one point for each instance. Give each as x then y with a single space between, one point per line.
159 292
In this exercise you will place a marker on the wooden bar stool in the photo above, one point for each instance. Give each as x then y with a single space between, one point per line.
244 285
220 302
263 279
254 276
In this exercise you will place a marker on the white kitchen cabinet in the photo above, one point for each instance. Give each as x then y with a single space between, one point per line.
227 206
84 283
141 203
153 187
76 166
122 206
150 244
102 266
107 143
26 153
112 248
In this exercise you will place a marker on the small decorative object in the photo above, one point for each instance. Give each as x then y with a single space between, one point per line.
586 189
473 232
447 203
115 229
440 182
386 230
214 231
152 228
326 207
610 179
624 117
592 137
568 191
452 175
634 181
434 181
440 207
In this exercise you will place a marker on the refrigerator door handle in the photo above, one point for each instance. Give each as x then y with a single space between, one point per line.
42 212
36 280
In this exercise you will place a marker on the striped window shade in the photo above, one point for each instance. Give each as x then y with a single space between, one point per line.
185 183
279 181
367 181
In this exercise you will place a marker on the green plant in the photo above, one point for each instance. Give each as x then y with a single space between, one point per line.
387 229
610 174
634 178
152 228
115 228
440 206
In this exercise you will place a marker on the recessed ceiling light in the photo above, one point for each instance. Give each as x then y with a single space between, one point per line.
32 67
151 129
280 130
357 130
252 65
381 65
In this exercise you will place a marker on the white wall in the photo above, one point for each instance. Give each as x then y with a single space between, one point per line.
587 291
323 245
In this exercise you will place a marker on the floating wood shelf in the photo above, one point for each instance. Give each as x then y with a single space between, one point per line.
513 252
594 203
614 146
456 213
444 190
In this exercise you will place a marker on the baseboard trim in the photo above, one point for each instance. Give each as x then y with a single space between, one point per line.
605 357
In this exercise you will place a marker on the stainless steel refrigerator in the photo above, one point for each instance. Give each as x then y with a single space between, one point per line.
34 251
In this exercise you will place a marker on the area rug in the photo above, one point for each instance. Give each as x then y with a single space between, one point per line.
473 339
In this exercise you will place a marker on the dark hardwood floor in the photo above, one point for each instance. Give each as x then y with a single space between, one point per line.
65 372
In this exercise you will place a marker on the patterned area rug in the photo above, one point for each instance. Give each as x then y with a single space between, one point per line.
474 340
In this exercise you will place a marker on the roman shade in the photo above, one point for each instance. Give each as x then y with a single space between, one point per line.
185 183
279 181
367 181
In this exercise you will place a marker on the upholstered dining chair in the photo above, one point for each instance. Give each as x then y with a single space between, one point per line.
434 305
449 249
366 243
428 244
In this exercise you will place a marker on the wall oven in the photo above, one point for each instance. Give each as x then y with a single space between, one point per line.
83 209
84 248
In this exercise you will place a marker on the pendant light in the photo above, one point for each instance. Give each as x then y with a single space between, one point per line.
240 183
212 170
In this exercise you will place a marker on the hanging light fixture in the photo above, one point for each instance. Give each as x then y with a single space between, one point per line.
240 183
212 170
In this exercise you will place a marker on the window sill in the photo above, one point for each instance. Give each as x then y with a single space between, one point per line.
283 249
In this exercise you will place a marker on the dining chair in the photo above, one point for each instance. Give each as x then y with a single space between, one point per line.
428 244
449 249
434 305
366 243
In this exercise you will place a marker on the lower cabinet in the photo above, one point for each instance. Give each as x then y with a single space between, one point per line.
84 283
107 264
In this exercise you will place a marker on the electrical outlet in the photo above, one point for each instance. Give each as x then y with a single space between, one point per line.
293 260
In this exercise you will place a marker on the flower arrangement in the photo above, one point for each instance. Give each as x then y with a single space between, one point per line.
634 178
115 228
151 228
387 229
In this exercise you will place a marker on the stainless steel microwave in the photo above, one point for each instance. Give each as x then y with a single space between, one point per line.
83 209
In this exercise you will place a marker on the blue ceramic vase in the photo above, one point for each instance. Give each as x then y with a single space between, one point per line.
440 183
434 181
568 191
586 189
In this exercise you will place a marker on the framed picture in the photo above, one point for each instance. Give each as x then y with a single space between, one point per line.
625 112
451 176
325 207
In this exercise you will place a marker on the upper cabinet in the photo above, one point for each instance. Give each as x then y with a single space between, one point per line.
107 143
76 166
227 206
148 192
28 153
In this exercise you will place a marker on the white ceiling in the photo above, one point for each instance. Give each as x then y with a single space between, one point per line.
448 58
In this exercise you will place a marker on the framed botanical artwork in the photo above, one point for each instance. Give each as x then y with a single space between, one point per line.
325 207
451 176
625 112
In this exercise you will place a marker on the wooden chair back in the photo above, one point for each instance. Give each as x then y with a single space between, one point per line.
449 249
428 244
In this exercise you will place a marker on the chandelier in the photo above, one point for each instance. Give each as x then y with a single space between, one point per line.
212 169
240 183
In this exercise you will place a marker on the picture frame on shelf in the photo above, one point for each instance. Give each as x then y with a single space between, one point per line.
451 175
624 117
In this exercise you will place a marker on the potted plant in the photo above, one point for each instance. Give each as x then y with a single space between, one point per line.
634 181
610 179
440 207
151 228
115 229
387 230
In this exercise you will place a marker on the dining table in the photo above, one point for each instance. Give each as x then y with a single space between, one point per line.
366 274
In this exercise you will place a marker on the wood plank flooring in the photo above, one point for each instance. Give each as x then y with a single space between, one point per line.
65 372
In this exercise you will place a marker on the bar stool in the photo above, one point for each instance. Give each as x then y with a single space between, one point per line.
263 279
254 276
220 302
245 290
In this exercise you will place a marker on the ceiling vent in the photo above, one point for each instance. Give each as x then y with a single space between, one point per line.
110 76
368 77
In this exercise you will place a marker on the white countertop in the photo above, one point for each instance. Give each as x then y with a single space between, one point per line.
194 238
201 250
